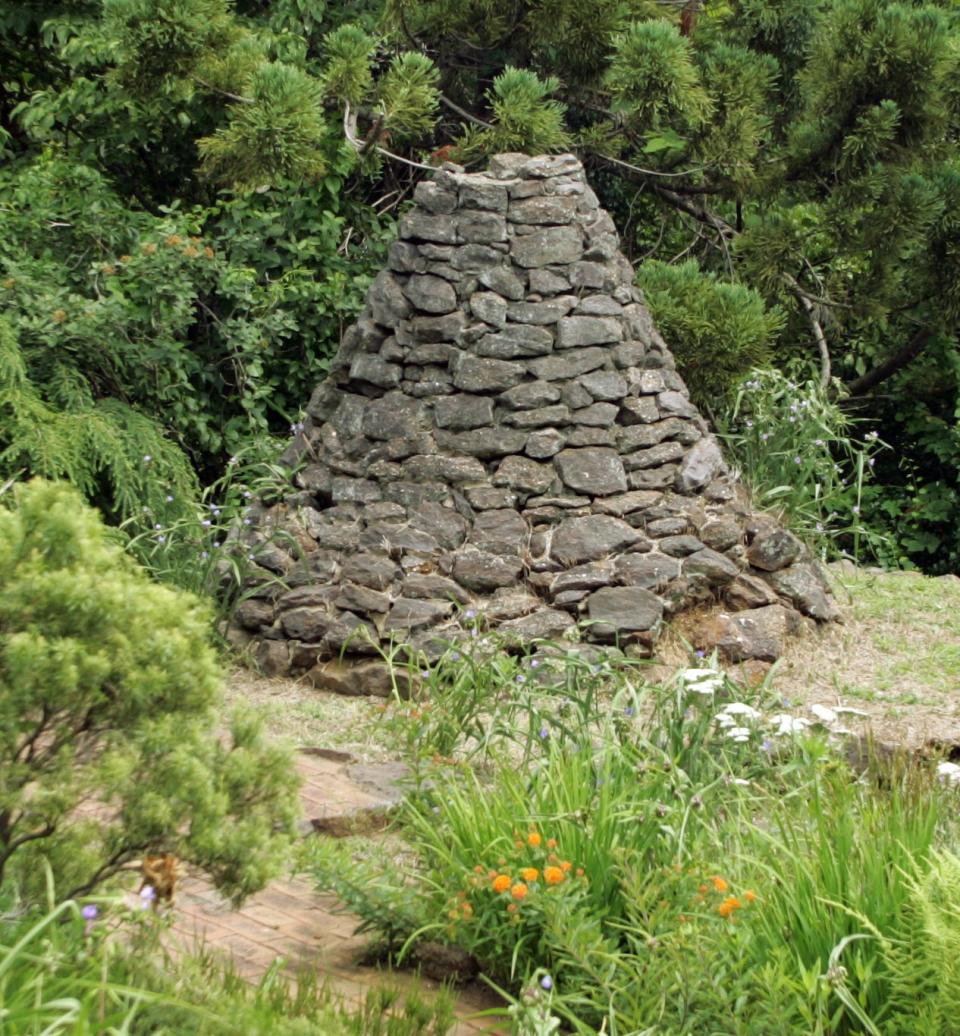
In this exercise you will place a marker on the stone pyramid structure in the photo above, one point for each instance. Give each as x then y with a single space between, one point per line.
503 439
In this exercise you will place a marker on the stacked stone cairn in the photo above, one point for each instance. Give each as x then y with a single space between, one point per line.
503 441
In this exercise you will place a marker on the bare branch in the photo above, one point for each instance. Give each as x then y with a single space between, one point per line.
224 93
350 132
818 335
463 113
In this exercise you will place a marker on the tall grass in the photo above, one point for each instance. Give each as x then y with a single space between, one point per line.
665 876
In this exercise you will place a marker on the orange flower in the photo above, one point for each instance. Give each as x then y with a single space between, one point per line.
190 252
467 909
124 258
719 884
750 896
566 866
580 872
519 891
59 315
208 252
551 843
149 248
553 875
728 906
108 269
501 883
529 873
704 888
512 908
533 839
174 239
478 869
518 845
9 282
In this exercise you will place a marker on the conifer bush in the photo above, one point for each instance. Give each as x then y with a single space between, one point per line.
108 747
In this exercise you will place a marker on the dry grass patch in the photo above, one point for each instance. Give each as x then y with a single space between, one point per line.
896 656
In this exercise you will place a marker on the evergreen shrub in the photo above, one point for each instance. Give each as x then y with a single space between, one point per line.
717 331
109 744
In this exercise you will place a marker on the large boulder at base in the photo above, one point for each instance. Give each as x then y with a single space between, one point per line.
503 440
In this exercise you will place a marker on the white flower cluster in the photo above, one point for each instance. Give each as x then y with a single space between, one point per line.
739 720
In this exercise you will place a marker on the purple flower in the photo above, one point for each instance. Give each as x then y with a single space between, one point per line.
546 983
147 458
147 895
89 912
204 555
521 678
247 494
161 539
544 732
628 711
168 498
797 460
471 613
534 662
206 523
700 653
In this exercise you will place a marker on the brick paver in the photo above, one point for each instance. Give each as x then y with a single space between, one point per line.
290 919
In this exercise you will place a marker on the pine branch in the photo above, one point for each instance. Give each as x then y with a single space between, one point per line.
224 93
463 113
727 232
349 131
860 386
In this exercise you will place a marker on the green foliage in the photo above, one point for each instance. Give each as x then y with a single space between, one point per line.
161 43
408 95
653 80
717 331
108 685
797 451
168 337
278 135
348 75
804 150
523 117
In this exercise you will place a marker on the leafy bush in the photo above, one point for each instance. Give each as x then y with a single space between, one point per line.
108 743
177 337
717 331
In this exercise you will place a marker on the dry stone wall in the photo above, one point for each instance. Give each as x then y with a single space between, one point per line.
503 435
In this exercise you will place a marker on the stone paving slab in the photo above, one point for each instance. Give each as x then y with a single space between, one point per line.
290 919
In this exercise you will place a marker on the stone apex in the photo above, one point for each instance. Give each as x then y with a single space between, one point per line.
504 431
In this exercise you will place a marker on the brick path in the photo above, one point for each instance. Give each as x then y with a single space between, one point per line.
290 919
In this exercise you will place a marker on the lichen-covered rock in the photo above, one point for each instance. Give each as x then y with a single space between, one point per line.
504 431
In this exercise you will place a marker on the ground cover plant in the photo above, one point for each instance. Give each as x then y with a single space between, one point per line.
680 859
